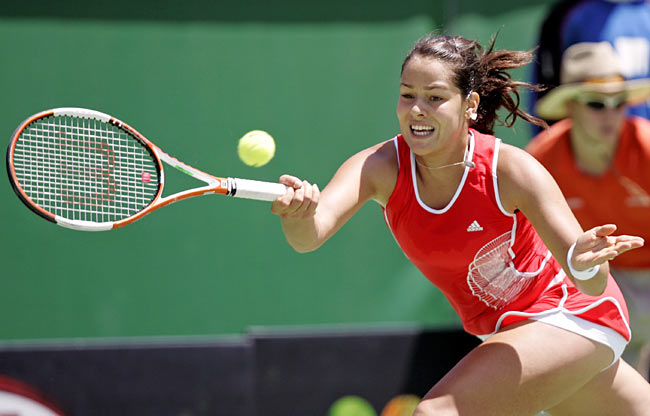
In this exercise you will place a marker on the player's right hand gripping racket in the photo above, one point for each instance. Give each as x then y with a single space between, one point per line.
86 170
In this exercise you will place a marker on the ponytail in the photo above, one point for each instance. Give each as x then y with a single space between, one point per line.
484 72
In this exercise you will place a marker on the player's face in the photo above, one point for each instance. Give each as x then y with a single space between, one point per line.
431 109
599 117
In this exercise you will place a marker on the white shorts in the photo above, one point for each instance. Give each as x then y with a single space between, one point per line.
601 334
565 319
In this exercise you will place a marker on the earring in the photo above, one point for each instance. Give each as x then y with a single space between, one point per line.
473 116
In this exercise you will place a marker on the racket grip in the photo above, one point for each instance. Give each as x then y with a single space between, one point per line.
262 191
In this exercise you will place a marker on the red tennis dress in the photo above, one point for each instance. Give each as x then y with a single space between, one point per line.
491 265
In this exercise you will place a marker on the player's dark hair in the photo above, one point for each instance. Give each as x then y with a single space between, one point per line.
484 71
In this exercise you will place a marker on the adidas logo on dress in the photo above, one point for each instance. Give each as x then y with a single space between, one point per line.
475 226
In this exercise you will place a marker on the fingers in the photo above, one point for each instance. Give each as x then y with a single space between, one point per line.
300 200
603 230
304 201
597 245
618 245
625 243
597 238
290 181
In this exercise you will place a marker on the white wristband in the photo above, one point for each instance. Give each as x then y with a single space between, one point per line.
580 274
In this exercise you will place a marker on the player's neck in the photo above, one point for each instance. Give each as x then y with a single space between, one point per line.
593 156
439 165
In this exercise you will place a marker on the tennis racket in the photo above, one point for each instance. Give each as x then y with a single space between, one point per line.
85 170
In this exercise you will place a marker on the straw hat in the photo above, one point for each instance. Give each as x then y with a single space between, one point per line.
590 68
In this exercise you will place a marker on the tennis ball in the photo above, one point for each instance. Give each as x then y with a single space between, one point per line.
351 406
402 405
256 148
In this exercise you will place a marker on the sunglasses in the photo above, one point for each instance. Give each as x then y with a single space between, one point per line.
602 103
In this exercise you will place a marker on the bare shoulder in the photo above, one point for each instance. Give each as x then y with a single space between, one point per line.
382 169
516 163
377 167
520 176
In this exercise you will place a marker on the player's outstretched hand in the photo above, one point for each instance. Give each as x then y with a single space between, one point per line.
300 200
598 245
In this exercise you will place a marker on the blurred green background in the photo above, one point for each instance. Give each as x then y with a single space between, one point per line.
193 76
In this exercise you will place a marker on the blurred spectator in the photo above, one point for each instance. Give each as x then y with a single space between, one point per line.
600 158
623 23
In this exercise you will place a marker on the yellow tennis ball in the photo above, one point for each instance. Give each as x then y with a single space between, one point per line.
351 406
256 148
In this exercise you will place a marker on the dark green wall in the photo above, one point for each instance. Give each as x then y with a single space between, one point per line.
194 76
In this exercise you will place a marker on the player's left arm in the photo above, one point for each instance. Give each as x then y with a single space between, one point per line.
525 185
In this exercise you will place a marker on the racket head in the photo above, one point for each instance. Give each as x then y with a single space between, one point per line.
83 169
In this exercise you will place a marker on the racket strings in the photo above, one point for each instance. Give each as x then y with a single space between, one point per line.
84 169
491 276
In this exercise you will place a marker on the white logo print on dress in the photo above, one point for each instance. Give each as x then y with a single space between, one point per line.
475 226
492 277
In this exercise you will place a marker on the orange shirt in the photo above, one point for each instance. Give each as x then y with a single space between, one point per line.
620 196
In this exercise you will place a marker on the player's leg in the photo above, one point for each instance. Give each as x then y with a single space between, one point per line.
619 390
523 369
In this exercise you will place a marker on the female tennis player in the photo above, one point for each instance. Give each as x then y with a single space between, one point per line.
488 225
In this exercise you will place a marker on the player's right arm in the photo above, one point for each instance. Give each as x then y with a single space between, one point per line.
310 216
